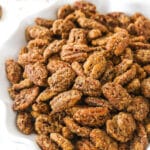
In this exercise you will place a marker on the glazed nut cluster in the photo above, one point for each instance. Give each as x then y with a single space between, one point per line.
82 81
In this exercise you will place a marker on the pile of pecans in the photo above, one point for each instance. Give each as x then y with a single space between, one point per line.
82 82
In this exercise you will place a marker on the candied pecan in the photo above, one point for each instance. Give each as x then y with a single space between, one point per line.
74 52
77 67
85 144
37 73
24 122
91 116
140 72
47 94
64 11
75 128
53 47
41 107
117 95
118 42
55 64
98 102
147 69
88 86
139 108
84 6
121 127
134 86
37 44
109 73
13 71
62 27
94 33
71 111
78 36
140 141
12 93
45 143
25 98
30 57
143 56
117 19
123 66
95 65
75 15
102 141
61 79
61 141
141 26
126 76
66 133
65 100
145 87
26 83
91 24
43 125
44 22
36 31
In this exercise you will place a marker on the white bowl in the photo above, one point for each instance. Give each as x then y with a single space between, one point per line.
12 46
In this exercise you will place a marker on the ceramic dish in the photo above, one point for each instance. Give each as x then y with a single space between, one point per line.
12 46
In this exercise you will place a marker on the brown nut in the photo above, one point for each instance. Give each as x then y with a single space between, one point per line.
118 42
123 66
37 73
91 24
13 71
126 76
77 36
75 128
26 83
95 65
74 52
98 102
62 27
25 98
121 127
139 108
61 141
143 56
64 11
88 86
147 69
65 100
53 47
43 125
116 95
24 122
45 143
94 33
36 31
55 64
91 116
145 87
44 22
134 86
102 141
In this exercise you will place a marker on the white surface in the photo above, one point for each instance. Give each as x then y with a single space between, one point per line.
14 11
